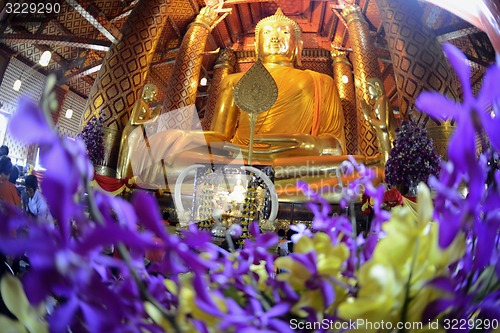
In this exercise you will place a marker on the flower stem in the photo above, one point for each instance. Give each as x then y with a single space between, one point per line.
355 234
406 304
125 255
471 274
95 213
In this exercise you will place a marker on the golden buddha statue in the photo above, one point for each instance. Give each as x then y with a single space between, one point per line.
381 118
304 127
141 113
306 118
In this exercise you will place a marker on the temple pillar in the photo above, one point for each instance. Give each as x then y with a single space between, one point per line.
223 66
419 63
123 74
183 84
365 64
342 74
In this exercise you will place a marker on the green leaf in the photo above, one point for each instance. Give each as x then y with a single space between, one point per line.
486 283
236 295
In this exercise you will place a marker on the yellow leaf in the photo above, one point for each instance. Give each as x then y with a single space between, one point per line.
14 297
171 286
10 326
157 316
16 301
424 204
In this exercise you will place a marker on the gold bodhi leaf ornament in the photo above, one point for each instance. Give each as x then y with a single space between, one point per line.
256 92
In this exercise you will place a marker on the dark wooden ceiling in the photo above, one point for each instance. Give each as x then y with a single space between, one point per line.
81 33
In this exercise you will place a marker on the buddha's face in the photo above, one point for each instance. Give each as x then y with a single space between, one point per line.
373 89
149 92
277 42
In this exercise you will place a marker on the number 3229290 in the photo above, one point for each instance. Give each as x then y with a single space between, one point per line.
32 8
460 324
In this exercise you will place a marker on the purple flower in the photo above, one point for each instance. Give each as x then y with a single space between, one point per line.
469 289
471 116
413 158
77 270
74 266
301 231
92 135
30 124
253 318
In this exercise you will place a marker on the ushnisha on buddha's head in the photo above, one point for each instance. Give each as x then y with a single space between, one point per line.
277 40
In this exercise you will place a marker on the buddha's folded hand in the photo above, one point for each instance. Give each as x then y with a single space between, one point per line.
292 144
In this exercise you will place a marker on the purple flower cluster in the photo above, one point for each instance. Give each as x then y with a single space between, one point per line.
92 259
98 292
413 158
92 135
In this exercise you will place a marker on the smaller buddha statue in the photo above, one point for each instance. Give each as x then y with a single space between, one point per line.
142 112
380 118
239 192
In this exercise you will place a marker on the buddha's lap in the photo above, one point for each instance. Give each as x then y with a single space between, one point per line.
320 172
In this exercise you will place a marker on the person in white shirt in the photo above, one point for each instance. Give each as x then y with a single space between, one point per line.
282 249
37 206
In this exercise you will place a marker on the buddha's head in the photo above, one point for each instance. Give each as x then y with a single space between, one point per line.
277 40
149 92
375 87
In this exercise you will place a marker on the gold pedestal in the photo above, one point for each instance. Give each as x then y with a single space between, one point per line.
441 135
111 141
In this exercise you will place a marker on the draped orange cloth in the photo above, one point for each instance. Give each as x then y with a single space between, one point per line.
307 103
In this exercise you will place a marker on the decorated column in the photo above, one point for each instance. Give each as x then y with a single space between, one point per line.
123 74
342 73
418 60
183 84
365 63
223 66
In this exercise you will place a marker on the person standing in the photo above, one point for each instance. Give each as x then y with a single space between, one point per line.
8 191
282 249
